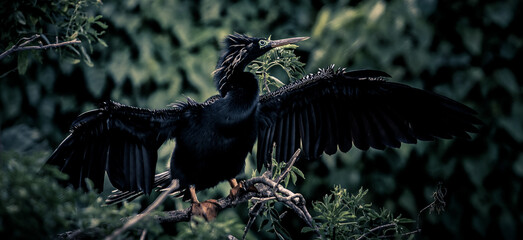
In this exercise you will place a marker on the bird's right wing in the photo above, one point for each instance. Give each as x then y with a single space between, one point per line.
119 139
337 109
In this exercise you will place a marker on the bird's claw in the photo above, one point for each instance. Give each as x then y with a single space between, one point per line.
235 191
208 209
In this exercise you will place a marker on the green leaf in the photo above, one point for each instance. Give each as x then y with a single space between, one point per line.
286 180
95 79
263 224
86 57
505 77
518 165
45 38
20 18
472 38
23 61
500 13
74 35
101 24
321 22
293 177
404 220
298 172
307 229
512 124
102 42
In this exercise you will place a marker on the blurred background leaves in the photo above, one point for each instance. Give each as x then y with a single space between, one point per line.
164 51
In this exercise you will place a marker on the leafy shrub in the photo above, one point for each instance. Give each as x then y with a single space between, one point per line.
342 215
34 206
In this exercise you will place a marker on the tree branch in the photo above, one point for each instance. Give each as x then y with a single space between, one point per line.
21 45
266 189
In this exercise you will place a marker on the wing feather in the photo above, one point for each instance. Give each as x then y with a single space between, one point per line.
337 109
279 138
304 129
119 139
312 117
358 128
345 134
292 136
285 137
331 129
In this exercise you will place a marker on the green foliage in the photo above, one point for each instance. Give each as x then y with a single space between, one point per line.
271 220
278 168
271 214
342 215
282 57
54 22
34 206
220 228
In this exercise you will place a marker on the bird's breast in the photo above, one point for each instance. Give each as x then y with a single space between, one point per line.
217 132
211 151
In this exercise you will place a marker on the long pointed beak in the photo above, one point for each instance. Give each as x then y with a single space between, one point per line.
281 42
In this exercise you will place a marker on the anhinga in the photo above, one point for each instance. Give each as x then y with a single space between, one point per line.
320 113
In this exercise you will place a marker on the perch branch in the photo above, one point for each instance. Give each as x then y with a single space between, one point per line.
266 189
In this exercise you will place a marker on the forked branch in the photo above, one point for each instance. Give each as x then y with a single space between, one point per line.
266 189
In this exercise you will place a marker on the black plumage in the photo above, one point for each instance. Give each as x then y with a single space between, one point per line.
323 112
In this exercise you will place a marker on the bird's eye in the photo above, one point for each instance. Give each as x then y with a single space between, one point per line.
263 43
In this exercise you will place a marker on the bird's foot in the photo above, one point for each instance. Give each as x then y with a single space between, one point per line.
239 188
208 209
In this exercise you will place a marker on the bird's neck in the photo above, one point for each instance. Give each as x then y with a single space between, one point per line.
241 94
226 78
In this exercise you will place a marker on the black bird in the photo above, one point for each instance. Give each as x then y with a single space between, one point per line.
320 113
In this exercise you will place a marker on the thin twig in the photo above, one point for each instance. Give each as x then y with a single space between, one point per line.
289 166
376 229
22 46
7 73
174 185
144 235
253 213
438 204
401 235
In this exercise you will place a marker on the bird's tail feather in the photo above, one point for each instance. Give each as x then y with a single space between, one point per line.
161 183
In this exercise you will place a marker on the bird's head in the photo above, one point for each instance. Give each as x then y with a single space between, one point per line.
240 50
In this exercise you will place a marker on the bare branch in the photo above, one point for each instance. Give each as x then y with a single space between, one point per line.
22 45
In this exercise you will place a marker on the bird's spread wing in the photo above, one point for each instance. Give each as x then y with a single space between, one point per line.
336 109
119 139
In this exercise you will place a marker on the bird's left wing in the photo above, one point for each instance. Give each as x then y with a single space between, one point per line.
119 139
336 109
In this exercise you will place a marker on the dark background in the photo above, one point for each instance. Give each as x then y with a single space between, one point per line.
164 51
